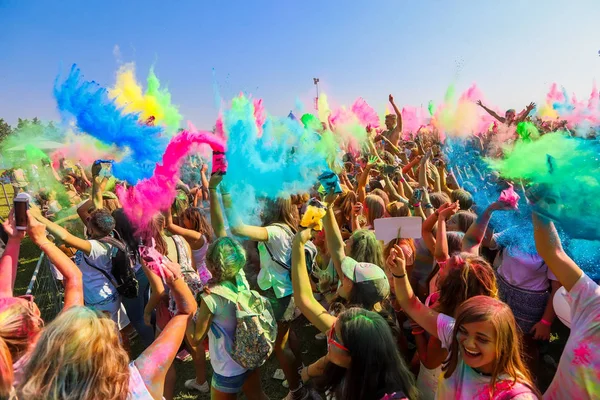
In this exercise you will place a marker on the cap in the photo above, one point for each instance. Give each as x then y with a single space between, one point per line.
367 274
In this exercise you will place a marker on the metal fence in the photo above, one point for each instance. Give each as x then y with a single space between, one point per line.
46 289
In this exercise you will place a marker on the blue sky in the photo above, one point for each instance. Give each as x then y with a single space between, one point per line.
513 49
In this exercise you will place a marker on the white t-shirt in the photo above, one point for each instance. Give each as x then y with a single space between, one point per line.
466 383
137 387
224 318
96 287
525 271
578 373
273 275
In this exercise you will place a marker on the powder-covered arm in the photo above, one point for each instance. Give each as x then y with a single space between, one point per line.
302 290
72 277
10 257
333 236
155 361
491 112
421 314
549 247
216 213
61 233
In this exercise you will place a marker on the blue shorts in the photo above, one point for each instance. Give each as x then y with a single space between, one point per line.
229 384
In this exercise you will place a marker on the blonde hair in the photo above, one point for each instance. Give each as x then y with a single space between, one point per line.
6 371
19 326
78 356
508 346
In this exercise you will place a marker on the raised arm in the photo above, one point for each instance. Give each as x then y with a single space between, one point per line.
10 257
238 228
333 236
72 278
491 112
549 247
216 213
422 315
398 128
364 178
523 114
476 232
189 234
155 361
427 231
441 253
61 233
303 294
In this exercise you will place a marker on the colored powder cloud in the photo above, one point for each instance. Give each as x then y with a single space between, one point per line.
99 116
284 160
155 102
155 194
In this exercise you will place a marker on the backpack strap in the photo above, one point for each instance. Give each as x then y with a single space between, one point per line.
288 231
224 290
103 272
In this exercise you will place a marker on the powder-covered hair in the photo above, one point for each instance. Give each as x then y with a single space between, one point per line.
78 356
376 369
366 248
508 346
154 231
19 326
463 197
103 222
468 276
224 259
6 371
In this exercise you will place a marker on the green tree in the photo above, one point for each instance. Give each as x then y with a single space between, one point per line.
5 129
22 123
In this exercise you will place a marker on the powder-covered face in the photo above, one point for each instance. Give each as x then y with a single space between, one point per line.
477 345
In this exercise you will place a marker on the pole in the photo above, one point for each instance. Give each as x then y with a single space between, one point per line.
316 82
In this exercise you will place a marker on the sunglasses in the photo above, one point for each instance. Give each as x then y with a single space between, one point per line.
332 340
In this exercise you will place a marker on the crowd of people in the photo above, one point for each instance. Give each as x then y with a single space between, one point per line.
453 314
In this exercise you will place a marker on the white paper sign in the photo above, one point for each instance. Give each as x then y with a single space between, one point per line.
388 229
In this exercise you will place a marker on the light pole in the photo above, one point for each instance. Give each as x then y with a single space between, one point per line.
316 82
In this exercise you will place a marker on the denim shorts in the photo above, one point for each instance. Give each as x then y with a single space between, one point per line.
229 384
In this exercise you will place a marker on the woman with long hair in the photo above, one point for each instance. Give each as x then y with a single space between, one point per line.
483 341
20 317
135 306
274 239
176 249
362 361
225 261
79 354
199 234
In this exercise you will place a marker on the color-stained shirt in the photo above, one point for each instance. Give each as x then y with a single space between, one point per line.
578 373
466 383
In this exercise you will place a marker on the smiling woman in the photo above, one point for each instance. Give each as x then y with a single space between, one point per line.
485 353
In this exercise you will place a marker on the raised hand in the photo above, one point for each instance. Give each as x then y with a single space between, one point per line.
391 98
479 103
10 227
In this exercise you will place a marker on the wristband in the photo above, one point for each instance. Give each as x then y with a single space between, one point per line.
401 180
543 321
420 332
428 205
398 276
417 205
